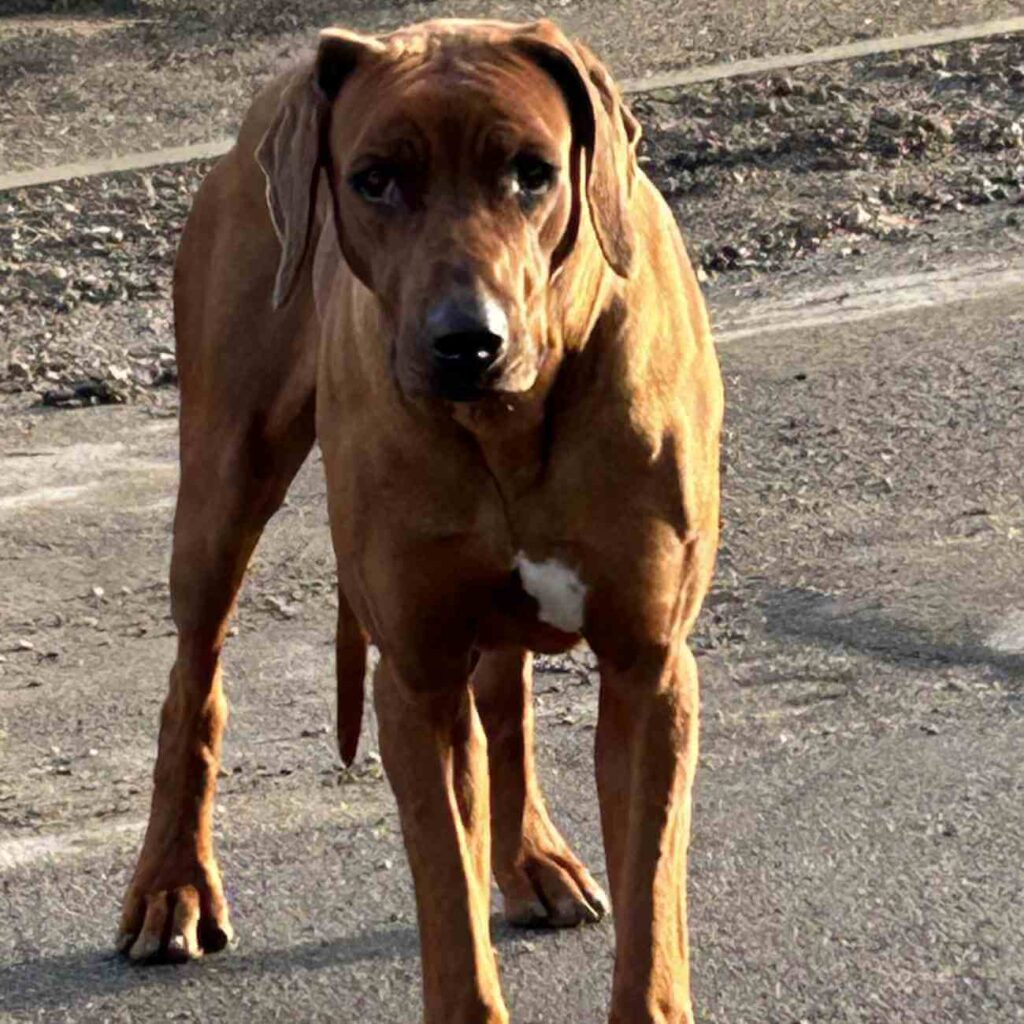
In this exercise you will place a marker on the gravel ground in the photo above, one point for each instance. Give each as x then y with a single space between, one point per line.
127 75
762 173
761 170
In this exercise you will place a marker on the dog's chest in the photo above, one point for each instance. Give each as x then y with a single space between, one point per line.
559 592
538 603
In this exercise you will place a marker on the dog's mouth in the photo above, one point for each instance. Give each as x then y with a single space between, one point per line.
452 386
461 393
458 389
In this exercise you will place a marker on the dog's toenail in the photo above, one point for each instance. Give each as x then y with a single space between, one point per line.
145 946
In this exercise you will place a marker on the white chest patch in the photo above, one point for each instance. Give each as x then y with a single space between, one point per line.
558 591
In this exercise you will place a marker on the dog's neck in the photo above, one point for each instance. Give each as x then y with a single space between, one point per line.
516 433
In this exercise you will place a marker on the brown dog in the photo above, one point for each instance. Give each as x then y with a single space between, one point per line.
467 289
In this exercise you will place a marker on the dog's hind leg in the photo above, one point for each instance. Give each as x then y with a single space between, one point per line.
247 423
542 881
350 658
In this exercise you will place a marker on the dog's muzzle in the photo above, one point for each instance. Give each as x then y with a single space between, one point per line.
468 335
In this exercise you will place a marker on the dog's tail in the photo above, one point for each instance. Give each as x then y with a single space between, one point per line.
351 647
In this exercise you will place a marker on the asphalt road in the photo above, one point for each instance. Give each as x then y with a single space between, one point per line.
859 829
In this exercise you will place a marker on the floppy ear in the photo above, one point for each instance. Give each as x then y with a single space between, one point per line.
602 127
289 154
625 127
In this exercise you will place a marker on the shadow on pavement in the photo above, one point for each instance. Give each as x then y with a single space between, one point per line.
48 983
868 628
74 978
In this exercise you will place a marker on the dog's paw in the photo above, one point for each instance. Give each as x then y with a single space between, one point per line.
174 924
549 887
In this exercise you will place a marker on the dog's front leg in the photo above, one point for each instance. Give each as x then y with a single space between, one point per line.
646 757
435 754
542 881
175 907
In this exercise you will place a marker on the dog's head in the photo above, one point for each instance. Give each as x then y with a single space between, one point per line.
465 160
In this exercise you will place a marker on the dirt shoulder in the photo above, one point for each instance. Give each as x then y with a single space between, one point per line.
134 75
901 157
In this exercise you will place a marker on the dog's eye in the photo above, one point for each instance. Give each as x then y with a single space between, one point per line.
376 184
532 175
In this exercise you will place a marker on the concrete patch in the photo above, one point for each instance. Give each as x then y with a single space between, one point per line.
855 301
38 479
1008 637
16 853
44 496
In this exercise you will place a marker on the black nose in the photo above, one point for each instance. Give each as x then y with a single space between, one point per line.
467 335
467 351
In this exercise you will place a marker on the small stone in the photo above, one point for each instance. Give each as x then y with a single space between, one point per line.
937 126
888 118
25 645
282 607
857 218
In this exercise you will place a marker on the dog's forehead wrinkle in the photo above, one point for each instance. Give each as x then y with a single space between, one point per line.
456 120
460 66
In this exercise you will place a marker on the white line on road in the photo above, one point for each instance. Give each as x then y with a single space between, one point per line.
114 164
629 86
827 55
